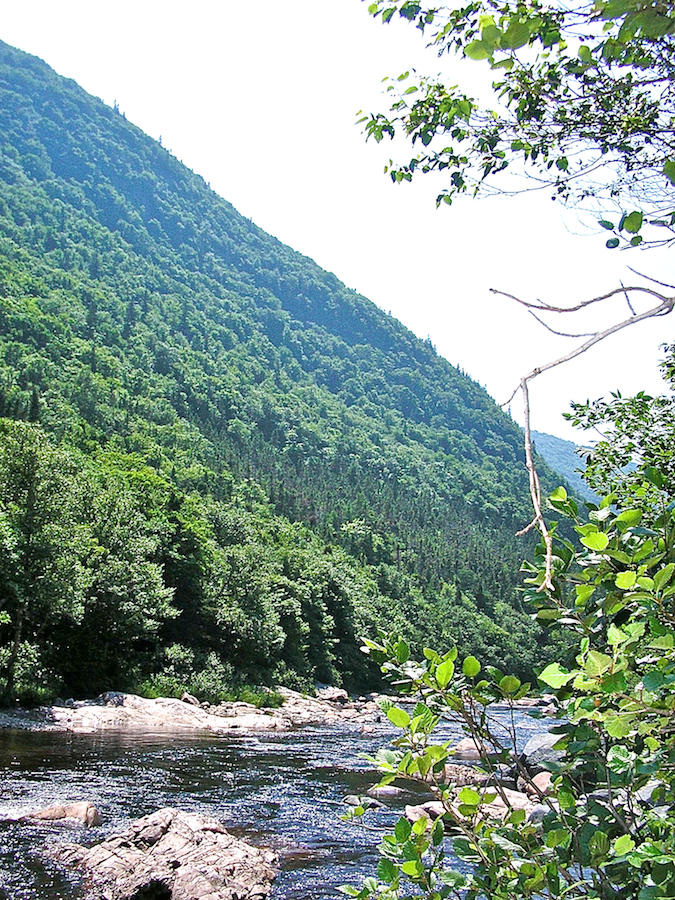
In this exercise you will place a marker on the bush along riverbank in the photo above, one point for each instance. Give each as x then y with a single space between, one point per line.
605 822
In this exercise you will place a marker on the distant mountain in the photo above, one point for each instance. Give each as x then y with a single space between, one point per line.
302 469
563 457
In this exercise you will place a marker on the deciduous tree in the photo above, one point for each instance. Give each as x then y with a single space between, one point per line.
584 106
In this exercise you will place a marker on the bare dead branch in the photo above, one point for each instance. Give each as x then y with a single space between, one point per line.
547 307
663 308
535 491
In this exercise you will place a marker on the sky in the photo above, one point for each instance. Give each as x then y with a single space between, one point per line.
261 99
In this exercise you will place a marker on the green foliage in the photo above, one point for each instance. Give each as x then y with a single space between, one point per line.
206 677
237 453
636 440
583 102
607 824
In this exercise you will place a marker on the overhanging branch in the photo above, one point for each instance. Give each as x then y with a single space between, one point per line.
663 308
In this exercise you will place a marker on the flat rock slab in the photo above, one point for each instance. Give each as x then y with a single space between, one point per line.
118 710
172 855
164 713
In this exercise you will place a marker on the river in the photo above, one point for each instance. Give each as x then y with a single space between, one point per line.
283 791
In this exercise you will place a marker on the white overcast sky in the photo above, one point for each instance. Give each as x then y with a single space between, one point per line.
260 98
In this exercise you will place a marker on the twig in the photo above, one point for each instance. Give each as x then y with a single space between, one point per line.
558 333
630 305
653 280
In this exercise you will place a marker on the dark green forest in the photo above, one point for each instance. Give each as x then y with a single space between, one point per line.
218 464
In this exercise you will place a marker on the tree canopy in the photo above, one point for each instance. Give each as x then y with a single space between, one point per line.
584 106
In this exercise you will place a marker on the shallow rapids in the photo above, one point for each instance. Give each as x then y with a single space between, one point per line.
283 791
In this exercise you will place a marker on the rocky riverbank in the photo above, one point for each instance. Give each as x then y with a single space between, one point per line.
114 709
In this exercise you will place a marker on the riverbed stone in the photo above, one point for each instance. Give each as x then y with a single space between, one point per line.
467 748
537 785
83 811
173 855
539 751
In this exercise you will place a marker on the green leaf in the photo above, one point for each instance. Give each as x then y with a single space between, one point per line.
566 800
413 868
402 830
620 759
629 517
555 676
597 541
402 651
509 684
619 726
584 593
669 170
398 717
517 35
557 837
437 832
444 673
469 796
663 642
420 826
477 50
633 222
623 845
654 476
386 870
612 243
626 580
605 224
663 576
559 494
491 36
598 844
471 667
597 664
616 636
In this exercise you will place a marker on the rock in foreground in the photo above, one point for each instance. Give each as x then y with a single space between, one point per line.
172 855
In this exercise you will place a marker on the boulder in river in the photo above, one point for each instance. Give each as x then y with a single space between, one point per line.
173 855
538 753
84 812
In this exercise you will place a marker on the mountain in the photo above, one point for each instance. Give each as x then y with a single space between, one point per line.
253 465
563 457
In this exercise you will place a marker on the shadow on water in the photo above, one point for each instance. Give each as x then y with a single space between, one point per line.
282 791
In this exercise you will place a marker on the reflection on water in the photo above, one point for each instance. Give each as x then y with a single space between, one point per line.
282 791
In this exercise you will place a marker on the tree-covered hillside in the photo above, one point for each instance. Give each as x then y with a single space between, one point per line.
242 463
562 457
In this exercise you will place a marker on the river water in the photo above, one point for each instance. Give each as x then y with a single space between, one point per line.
283 791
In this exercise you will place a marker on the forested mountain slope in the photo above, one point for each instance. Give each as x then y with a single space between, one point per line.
294 467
